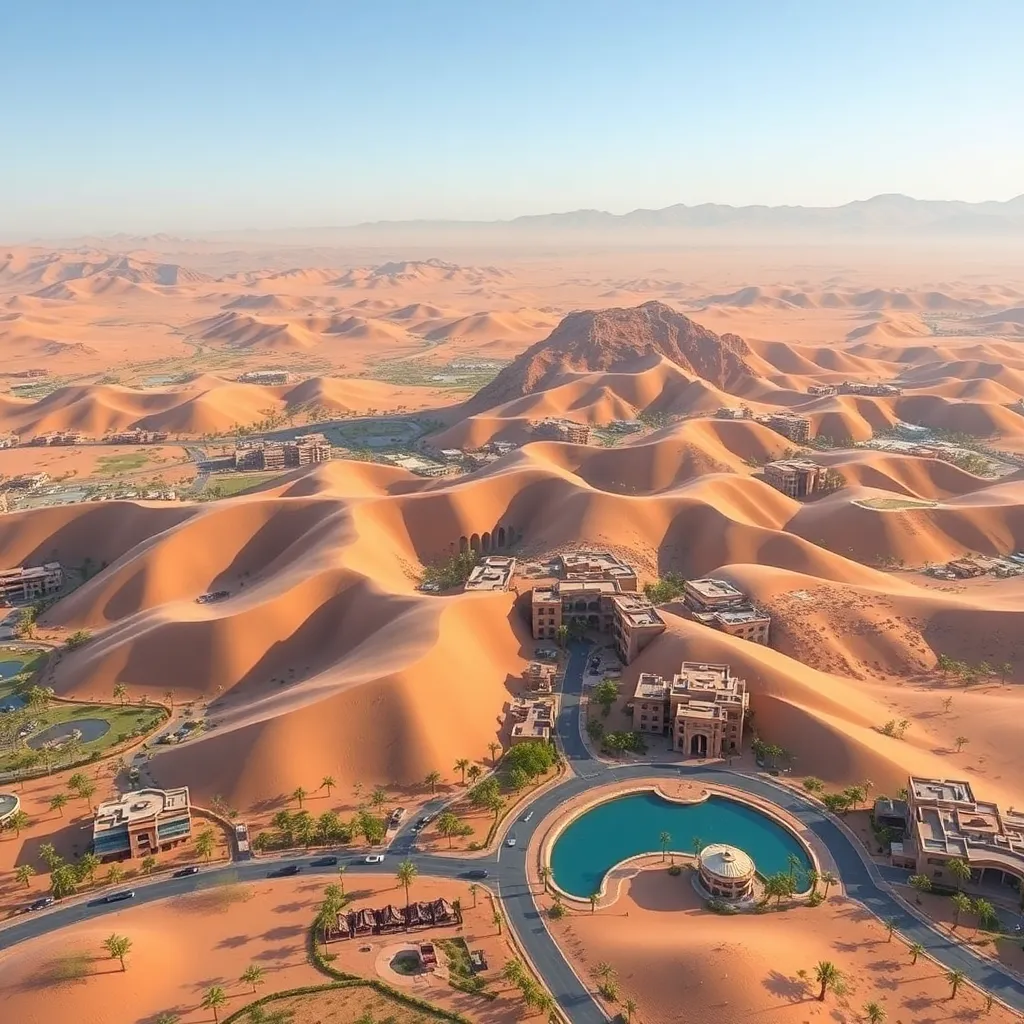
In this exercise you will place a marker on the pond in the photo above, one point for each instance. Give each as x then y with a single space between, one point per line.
630 825
90 728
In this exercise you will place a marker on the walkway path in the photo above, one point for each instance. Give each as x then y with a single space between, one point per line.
507 870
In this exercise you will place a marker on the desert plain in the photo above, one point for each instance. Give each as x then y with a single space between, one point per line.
325 659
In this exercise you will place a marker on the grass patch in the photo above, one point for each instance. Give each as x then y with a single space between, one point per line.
229 486
460 968
125 462
464 375
894 504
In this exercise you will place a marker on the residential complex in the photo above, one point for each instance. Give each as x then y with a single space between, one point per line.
822 389
701 707
303 450
596 591
26 583
58 437
270 377
8 440
563 430
140 823
539 677
136 436
852 387
943 820
796 478
532 719
493 572
717 603
796 428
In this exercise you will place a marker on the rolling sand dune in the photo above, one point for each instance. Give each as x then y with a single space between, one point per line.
753 296
269 302
494 327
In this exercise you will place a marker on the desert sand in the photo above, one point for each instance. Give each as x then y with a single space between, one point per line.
325 659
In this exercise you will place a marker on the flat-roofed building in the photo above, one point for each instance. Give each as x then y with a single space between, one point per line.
141 823
635 623
702 707
796 428
546 612
8 440
26 583
853 387
563 430
705 595
597 566
268 377
493 572
822 389
946 821
539 677
796 478
532 720
743 620
304 450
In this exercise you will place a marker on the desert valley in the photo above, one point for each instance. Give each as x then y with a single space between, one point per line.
364 562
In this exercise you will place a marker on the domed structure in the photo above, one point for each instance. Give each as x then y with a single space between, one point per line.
726 872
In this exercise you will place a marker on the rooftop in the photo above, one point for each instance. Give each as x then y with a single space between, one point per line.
143 803
748 613
726 861
637 610
711 588
794 465
941 790
601 564
494 572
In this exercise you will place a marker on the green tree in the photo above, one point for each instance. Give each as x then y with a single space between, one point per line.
947 703
517 779
299 794
78 639
986 914
17 821
959 869
205 844
813 785
961 905
117 947
955 979
563 635
432 780
460 766
606 693
494 749
49 856
449 825
828 976
915 950
1005 669
630 1007
148 864
24 873
120 693
874 1014
328 783
890 927
115 874
378 798
922 883
215 998
961 741
545 873
664 838
87 866
253 975
407 872
474 773
63 880
497 920
513 971
594 898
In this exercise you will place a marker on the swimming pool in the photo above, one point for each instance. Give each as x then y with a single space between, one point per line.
629 825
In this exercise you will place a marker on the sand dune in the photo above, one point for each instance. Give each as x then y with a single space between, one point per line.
35 269
778 297
494 327
405 272
269 302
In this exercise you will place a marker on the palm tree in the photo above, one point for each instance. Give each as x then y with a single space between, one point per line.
493 748
88 865
407 872
497 920
432 779
827 879
956 979
341 879
665 838
473 890
118 947
813 878
630 1007
328 783
460 766
594 897
299 794
513 971
474 773
795 865
874 1014
214 998
961 905
58 802
169 697
545 873
890 927
17 821
960 870
24 873
960 741
986 913
253 975
827 975
915 951
206 842
605 971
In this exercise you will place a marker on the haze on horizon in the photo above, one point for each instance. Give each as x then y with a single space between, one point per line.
232 117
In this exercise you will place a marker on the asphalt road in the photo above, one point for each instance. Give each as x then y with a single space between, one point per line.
507 870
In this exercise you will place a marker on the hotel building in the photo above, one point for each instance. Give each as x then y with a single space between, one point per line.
141 823
718 604
304 450
29 582
796 478
701 707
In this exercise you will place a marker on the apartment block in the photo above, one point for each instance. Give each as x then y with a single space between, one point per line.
702 707
136 437
796 428
706 595
304 450
58 437
8 440
720 605
563 430
796 478
140 823
852 387
26 583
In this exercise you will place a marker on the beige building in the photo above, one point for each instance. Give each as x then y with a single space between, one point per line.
596 591
563 430
304 450
707 595
725 872
796 478
702 707
532 719
944 820
494 572
539 677
141 823
29 582
796 428
720 605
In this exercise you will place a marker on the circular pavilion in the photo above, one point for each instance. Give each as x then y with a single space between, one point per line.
726 872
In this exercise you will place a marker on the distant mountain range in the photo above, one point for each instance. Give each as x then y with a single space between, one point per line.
880 216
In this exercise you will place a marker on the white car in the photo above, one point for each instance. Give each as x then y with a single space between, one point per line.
511 841
374 858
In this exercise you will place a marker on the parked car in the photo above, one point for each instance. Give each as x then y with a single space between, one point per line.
323 862
116 897
39 904
288 869
476 873
374 858
193 869
510 841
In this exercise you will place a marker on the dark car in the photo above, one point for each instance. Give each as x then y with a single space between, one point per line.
116 897
323 862
39 904
288 869
185 872
476 873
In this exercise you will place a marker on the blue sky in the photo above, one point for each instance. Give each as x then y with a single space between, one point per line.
215 114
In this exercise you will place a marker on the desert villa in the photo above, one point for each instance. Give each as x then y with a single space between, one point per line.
596 590
943 821
702 707
140 823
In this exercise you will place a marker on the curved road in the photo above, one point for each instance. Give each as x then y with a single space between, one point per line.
507 870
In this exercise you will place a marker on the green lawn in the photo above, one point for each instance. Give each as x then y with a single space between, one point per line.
229 486
123 463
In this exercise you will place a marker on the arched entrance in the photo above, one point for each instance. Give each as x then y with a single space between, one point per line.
485 541
501 537
474 542
699 745
463 545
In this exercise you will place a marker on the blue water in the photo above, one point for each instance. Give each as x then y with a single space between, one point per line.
629 825
90 728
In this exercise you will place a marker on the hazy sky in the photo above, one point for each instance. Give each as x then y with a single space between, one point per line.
209 114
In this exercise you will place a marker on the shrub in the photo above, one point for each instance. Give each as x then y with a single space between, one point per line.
556 911
675 869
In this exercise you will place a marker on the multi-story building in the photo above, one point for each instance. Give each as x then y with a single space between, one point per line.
493 572
720 605
8 440
26 583
853 387
596 591
945 821
702 707
822 389
707 595
796 428
539 677
58 437
136 436
141 823
532 720
563 430
304 450
269 377
797 478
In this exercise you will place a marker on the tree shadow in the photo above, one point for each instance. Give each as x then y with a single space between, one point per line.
283 932
793 990
233 942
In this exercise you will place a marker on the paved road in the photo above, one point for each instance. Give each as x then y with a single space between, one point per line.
507 869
